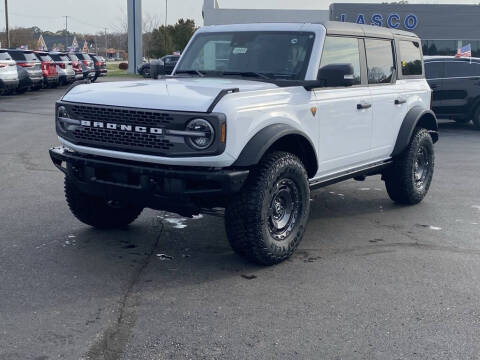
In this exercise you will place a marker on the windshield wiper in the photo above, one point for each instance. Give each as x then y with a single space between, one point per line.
193 72
247 74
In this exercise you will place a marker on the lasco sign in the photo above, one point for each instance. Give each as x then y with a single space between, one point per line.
393 21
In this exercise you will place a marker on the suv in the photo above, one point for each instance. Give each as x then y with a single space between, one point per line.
456 87
8 72
29 61
87 65
66 74
100 66
49 69
253 118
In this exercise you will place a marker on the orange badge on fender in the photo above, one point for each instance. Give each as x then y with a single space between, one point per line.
313 110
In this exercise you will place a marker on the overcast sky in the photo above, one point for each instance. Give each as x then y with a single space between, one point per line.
94 15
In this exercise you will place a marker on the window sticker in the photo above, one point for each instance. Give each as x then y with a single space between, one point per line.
239 50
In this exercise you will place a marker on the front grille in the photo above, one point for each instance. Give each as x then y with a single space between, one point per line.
123 116
115 128
120 138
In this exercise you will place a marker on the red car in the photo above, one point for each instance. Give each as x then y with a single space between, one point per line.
49 69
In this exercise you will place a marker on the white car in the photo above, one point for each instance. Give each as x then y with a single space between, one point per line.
8 72
253 118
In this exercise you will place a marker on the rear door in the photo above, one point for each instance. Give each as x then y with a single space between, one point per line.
344 113
388 102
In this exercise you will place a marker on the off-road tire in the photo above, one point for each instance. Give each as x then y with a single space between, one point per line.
401 181
476 118
248 215
98 212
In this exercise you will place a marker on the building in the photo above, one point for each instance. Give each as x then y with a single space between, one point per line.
442 28
214 15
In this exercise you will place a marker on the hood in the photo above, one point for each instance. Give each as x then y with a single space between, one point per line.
182 94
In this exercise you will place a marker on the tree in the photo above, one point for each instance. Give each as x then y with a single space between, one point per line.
177 37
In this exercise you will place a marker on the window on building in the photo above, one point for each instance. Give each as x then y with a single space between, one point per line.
411 58
440 47
434 69
342 50
380 63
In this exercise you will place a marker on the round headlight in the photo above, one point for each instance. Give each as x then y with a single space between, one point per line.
206 134
62 112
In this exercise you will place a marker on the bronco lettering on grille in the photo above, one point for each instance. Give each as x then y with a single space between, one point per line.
122 127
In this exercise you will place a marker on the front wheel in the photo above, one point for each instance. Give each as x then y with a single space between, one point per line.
99 212
410 176
265 222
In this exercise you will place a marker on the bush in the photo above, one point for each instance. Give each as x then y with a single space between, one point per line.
123 66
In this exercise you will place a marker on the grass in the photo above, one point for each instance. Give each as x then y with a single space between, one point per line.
113 70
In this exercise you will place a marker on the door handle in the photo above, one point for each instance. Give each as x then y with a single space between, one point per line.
400 101
363 106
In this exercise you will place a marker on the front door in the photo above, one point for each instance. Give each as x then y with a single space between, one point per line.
344 113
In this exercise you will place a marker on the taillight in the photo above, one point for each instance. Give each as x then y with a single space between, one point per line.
98 63
3 65
26 64
62 65
86 62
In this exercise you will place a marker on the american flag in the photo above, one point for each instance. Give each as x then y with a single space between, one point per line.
465 51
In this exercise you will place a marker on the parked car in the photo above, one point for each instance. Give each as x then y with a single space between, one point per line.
49 69
87 64
29 61
288 108
8 72
80 74
170 62
455 83
65 70
144 70
100 66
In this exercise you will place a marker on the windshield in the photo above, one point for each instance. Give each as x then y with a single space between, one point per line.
268 55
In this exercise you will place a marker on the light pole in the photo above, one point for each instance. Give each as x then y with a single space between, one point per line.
166 19
66 33
7 33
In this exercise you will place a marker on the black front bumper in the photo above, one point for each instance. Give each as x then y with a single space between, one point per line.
179 189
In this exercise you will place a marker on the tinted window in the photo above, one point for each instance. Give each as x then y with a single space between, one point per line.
379 61
86 57
31 56
434 69
5 56
339 50
55 57
411 58
461 69
17 55
276 54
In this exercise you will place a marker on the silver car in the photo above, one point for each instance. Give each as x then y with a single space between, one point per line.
29 61
8 72
65 70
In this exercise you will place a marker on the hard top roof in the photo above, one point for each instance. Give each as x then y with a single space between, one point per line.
346 28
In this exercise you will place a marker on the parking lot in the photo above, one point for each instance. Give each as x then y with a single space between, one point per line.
371 279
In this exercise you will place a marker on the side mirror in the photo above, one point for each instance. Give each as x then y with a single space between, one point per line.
157 68
335 75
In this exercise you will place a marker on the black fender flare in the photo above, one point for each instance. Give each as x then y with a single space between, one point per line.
259 144
417 115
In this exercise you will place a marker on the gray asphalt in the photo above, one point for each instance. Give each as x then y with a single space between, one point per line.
371 280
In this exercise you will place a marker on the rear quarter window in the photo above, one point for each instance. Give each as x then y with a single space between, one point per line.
31 57
410 58
18 56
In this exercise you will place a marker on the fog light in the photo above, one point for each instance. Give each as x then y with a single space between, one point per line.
62 112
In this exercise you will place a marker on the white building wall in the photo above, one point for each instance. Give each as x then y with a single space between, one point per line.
214 15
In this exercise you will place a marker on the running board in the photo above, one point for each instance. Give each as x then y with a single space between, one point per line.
368 170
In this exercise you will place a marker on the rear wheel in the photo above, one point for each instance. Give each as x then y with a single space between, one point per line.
99 212
266 221
409 179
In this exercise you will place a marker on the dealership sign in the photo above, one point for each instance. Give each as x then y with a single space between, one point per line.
394 21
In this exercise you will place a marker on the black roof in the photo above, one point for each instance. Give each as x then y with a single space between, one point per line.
346 28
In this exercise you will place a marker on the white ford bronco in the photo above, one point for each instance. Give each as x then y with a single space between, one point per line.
252 119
